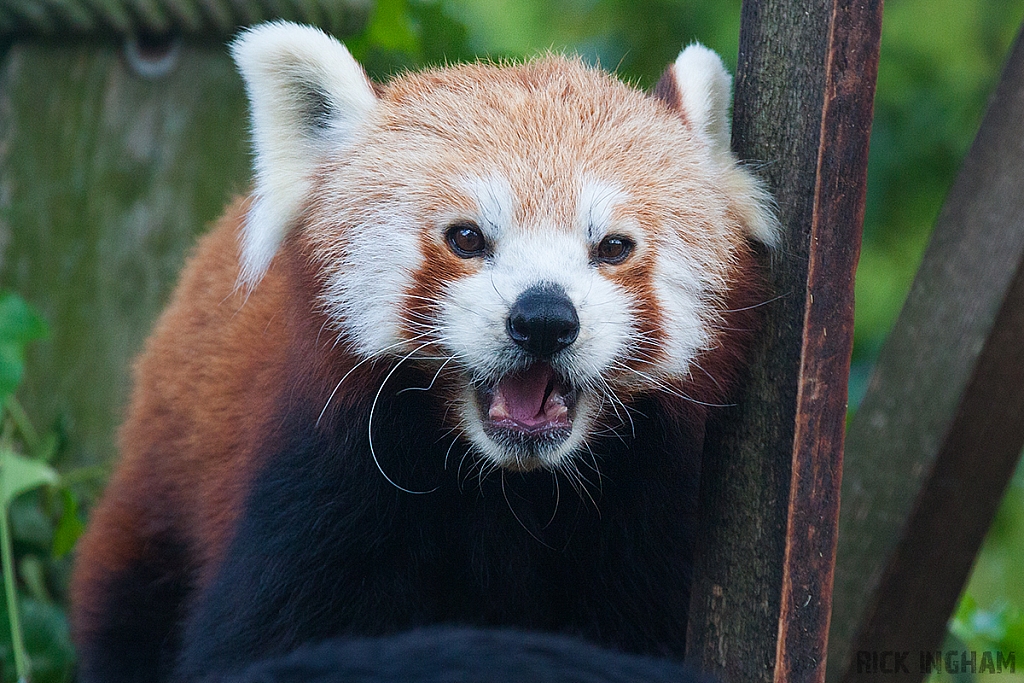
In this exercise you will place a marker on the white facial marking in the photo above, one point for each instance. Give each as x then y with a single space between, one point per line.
680 291
494 200
372 274
595 207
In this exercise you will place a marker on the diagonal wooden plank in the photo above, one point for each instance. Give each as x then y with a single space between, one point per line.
939 432
770 488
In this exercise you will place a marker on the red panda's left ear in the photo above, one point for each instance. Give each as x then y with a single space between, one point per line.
308 97
699 88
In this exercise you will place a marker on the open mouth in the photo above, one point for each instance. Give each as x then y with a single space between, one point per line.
530 409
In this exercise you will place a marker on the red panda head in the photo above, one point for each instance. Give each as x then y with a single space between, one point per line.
548 241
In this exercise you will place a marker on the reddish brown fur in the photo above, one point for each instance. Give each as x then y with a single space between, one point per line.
439 266
717 370
210 376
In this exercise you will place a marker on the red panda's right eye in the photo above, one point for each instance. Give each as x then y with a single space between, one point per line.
466 240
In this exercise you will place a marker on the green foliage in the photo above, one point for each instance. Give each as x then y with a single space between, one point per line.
973 628
940 61
636 39
1000 627
19 325
403 34
38 521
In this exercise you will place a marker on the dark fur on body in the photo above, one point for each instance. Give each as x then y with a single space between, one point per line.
522 550
454 655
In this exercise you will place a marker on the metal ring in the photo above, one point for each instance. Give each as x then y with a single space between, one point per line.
152 56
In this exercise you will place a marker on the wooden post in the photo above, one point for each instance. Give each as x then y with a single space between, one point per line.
939 433
770 487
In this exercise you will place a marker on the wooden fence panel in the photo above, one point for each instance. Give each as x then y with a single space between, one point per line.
112 160
762 588
108 177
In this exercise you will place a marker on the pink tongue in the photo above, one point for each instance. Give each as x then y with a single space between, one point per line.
522 396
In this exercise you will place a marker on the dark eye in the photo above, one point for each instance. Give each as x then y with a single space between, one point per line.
466 240
613 249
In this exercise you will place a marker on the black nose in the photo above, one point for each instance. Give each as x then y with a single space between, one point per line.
543 320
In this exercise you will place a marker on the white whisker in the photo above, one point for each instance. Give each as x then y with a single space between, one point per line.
369 428
513 511
374 359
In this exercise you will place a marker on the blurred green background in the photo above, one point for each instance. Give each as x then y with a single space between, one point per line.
940 61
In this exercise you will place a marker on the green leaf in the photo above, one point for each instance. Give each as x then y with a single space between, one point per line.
12 367
19 323
391 27
19 474
47 640
69 528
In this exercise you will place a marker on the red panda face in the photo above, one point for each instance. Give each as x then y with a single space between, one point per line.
548 242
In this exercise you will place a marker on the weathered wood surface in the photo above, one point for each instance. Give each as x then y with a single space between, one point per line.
762 588
211 18
940 430
112 160
105 180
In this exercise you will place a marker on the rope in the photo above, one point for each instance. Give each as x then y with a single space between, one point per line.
208 18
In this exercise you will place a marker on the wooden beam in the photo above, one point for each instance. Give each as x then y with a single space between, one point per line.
938 435
770 488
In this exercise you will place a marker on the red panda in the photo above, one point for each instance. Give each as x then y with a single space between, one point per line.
449 363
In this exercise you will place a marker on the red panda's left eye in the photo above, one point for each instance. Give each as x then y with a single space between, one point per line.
466 240
613 249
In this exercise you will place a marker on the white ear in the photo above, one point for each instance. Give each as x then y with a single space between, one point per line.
705 91
307 95
700 89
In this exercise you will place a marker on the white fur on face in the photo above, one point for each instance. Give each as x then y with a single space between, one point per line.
595 207
372 276
683 295
495 203
474 309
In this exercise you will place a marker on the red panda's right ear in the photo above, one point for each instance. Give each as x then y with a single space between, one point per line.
307 96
